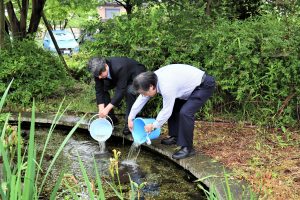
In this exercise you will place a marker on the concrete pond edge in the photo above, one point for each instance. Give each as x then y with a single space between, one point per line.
210 172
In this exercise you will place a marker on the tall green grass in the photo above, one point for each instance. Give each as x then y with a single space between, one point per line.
21 171
20 177
212 192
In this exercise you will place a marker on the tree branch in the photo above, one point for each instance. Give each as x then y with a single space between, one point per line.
285 103
120 3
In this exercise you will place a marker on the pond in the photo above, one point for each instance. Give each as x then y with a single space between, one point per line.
164 180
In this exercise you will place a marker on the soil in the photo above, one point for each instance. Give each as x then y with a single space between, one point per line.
269 159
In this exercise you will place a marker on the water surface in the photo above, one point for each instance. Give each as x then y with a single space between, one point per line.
164 179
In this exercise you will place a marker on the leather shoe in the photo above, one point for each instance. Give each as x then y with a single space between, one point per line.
126 131
184 152
169 141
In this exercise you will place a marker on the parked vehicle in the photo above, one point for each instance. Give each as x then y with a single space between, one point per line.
65 40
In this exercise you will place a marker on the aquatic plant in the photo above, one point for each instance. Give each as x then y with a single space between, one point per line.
19 178
212 194
21 169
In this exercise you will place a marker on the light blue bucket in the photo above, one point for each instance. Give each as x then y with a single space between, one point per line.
139 134
100 128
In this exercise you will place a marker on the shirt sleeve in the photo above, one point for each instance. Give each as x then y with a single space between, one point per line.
99 89
137 106
166 111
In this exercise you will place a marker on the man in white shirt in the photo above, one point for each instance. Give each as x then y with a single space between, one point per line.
184 90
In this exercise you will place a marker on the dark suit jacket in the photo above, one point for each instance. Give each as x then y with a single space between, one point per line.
122 71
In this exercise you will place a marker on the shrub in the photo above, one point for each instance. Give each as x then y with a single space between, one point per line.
255 61
36 73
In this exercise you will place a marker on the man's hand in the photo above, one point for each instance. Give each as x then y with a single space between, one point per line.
103 111
149 128
130 124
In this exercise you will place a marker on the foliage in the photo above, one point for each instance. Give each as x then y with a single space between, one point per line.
77 66
69 11
37 73
254 61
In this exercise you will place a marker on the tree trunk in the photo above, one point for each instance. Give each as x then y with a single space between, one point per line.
13 20
49 28
23 17
65 23
37 9
208 7
128 6
2 24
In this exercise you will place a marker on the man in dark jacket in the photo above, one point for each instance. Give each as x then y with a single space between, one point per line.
118 73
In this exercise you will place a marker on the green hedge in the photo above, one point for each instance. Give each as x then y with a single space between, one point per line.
36 73
255 61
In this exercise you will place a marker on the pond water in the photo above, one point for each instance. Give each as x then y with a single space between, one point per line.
164 180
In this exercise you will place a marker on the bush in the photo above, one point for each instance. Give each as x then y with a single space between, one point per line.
36 73
255 61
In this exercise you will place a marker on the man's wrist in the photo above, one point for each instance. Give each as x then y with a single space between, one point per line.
155 124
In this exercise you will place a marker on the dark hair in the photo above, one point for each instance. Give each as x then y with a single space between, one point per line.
96 66
144 80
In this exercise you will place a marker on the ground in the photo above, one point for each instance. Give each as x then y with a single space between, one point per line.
268 159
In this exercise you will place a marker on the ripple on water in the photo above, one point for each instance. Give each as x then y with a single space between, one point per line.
87 151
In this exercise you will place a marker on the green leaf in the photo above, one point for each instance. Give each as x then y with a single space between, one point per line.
4 95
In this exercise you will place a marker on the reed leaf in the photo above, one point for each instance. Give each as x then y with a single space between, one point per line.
86 178
3 196
75 197
4 95
57 154
18 190
99 182
29 178
132 192
5 157
228 191
13 187
53 125
116 191
57 184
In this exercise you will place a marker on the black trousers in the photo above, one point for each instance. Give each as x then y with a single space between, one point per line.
130 98
182 121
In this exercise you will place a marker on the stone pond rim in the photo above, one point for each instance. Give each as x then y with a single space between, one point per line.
209 171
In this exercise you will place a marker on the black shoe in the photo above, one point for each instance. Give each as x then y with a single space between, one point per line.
169 141
184 152
126 131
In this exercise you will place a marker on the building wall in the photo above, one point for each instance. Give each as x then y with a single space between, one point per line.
108 11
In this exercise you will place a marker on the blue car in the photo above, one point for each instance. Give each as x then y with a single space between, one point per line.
65 40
